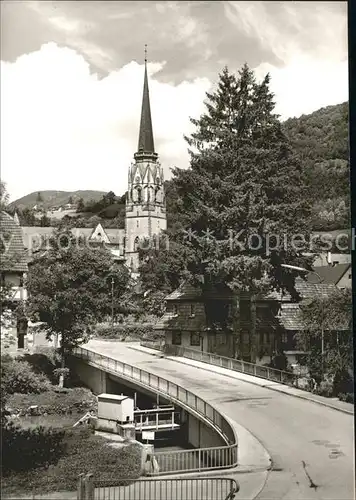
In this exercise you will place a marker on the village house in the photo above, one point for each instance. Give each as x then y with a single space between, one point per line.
206 322
13 280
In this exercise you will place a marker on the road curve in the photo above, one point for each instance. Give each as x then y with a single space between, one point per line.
312 447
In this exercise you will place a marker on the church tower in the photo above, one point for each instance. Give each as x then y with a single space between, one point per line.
145 202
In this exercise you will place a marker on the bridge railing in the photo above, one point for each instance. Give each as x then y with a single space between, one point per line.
237 365
181 460
212 488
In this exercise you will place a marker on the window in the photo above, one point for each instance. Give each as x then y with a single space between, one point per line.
136 244
175 309
284 338
192 310
350 276
245 312
195 339
137 223
176 338
221 339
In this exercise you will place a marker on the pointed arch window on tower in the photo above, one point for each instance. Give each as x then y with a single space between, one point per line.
138 223
138 194
136 244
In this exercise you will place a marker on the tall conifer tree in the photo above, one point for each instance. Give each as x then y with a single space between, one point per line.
243 199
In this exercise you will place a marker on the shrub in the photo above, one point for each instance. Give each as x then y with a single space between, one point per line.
18 376
348 397
45 360
25 449
122 331
325 389
81 452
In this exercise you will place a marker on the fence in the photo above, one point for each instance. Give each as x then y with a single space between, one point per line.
237 365
182 460
214 488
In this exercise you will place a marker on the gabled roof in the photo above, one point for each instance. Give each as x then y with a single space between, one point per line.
329 274
13 256
44 233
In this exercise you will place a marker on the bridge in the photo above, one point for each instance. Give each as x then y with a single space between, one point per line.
310 445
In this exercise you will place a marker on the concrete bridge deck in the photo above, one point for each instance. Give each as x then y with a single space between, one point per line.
311 446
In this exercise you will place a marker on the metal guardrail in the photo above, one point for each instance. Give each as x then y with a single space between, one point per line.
214 488
182 460
237 365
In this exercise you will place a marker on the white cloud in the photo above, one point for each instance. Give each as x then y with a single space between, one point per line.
306 85
64 128
310 40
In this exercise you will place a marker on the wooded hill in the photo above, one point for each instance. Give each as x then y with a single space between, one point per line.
49 199
321 142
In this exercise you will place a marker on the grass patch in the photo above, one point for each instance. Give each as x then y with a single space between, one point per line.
84 452
55 401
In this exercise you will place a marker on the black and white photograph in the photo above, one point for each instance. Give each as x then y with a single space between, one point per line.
175 250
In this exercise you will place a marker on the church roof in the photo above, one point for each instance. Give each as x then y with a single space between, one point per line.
13 255
145 138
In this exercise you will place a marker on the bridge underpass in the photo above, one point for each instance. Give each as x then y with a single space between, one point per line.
311 446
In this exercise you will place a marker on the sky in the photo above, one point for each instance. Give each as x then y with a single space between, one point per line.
72 77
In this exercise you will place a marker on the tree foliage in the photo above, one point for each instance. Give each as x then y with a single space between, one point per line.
329 320
18 376
245 180
321 141
70 287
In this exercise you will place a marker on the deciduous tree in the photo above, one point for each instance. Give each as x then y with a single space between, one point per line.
70 288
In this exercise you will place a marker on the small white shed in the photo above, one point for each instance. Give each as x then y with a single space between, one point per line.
114 407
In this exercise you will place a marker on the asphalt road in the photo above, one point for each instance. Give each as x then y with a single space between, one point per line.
312 446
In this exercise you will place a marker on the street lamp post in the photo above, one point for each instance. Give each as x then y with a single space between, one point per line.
112 301
321 280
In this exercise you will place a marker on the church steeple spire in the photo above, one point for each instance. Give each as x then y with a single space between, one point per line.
146 146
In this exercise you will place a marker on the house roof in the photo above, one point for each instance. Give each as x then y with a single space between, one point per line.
186 291
181 322
290 317
306 290
189 292
33 234
329 274
14 257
